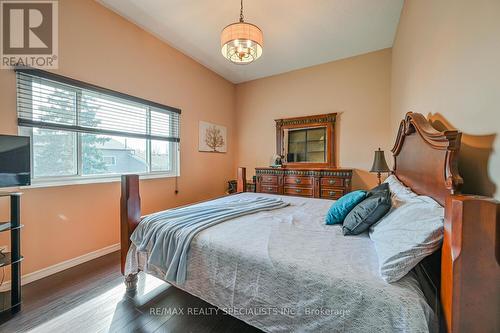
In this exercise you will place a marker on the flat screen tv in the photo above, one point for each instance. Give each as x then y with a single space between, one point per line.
15 166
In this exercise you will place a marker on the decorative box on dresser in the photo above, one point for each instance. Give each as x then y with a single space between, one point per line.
326 183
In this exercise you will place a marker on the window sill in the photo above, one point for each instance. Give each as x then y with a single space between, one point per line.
40 183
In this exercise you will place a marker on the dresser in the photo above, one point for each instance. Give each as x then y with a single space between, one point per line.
326 183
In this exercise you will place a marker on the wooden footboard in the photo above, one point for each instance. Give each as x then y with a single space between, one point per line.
241 185
130 213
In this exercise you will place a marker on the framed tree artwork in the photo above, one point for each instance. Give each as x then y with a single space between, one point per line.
212 138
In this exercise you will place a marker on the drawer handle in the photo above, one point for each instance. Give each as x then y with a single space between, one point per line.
269 188
298 190
297 181
331 193
269 179
331 182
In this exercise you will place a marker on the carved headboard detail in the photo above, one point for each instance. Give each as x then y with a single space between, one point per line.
426 159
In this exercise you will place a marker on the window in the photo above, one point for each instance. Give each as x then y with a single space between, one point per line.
83 131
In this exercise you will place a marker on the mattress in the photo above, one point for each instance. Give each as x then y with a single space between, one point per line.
286 271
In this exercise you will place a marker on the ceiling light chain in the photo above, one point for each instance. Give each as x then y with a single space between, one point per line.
241 12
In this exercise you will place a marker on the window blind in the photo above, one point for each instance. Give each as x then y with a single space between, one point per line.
51 101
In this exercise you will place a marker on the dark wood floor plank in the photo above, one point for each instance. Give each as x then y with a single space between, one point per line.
91 298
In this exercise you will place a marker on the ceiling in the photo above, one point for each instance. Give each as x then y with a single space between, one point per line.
297 33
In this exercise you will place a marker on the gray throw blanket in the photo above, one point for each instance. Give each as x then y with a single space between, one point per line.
167 235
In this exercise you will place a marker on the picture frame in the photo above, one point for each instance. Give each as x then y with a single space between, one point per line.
212 138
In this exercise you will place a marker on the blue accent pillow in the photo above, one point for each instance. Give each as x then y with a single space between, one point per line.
340 208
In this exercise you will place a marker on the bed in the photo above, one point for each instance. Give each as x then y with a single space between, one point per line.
284 270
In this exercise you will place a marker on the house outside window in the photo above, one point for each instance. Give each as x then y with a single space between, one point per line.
109 160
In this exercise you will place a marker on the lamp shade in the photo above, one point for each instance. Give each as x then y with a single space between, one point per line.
241 42
379 163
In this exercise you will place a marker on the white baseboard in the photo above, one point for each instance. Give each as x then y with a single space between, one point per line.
44 272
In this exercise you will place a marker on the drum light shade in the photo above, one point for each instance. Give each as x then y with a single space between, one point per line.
241 42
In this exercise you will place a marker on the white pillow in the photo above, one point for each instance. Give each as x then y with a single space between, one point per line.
399 192
407 234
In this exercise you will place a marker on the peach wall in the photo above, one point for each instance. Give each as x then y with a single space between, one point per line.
100 47
446 64
357 88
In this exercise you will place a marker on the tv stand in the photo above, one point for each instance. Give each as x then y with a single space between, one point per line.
13 258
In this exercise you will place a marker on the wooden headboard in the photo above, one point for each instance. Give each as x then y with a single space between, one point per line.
468 270
425 159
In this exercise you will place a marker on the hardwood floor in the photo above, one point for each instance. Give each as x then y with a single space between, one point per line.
91 298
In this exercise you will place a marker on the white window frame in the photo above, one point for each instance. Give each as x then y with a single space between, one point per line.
104 178
80 178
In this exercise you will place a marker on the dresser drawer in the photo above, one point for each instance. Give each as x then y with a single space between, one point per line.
331 193
265 188
331 181
301 191
269 179
298 180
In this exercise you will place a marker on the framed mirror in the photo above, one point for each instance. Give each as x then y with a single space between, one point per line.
306 141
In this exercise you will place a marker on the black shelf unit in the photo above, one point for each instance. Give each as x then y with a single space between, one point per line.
12 304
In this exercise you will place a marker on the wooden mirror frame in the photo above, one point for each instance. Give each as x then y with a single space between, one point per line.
322 120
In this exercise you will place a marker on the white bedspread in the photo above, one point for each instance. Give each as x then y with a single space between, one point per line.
286 271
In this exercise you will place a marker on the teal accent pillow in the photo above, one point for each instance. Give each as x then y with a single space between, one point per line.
340 208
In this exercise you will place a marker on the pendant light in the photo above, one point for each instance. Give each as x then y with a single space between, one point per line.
241 42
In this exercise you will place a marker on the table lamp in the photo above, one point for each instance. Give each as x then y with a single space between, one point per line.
379 164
